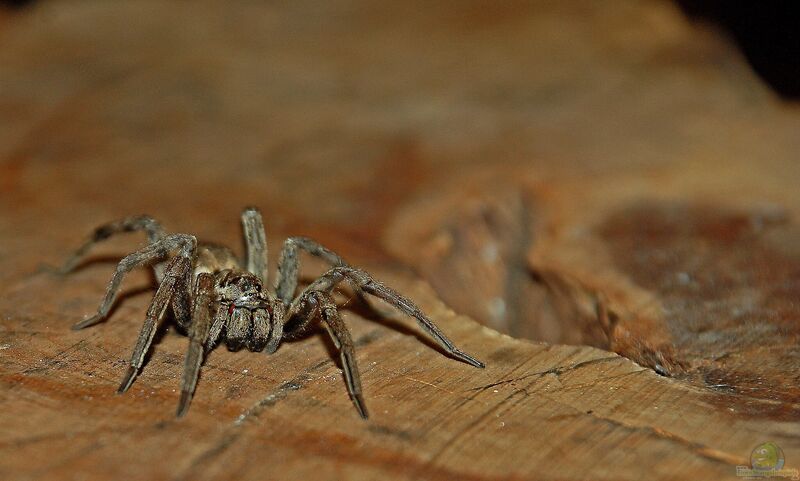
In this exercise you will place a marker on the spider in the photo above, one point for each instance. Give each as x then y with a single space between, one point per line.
216 298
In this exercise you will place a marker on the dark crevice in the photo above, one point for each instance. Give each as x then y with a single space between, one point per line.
15 4
765 31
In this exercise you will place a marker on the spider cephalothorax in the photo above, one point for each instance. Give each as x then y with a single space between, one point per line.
246 313
216 298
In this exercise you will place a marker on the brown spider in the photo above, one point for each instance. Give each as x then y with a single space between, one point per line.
214 297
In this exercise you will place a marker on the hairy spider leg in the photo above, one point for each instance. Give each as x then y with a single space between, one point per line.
255 240
289 267
220 317
146 255
267 333
276 334
175 271
319 302
129 224
316 297
330 279
182 300
344 343
198 336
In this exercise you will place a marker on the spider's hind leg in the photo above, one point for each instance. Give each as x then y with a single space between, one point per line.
364 281
146 255
289 267
129 224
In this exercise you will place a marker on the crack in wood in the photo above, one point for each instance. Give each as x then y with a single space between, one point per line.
558 370
695 447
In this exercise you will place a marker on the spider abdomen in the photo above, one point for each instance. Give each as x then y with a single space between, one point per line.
212 258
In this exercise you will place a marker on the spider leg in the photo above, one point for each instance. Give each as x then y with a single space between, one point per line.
344 343
255 242
289 266
330 279
276 334
266 335
175 271
182 300
216 326
129 224
198 336
145 255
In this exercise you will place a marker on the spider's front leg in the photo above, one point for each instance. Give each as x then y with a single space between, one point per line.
199 329
175 275
160 301
174 279
146 255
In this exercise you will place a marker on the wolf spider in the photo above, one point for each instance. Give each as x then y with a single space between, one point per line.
214 297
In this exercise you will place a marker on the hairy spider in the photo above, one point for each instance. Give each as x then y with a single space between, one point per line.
215 298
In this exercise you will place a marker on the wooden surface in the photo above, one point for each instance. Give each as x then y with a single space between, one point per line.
573 173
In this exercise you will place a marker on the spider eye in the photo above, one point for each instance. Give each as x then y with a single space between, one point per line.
248 283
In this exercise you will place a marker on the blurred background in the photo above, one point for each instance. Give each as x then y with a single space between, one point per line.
764 31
